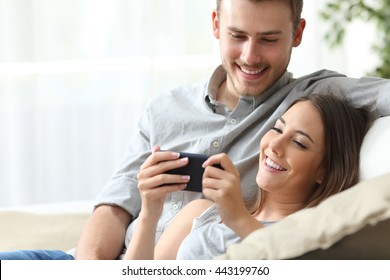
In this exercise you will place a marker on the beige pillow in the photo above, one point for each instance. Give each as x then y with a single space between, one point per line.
23 230
367 203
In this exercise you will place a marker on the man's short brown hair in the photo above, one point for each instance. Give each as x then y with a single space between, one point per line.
295 5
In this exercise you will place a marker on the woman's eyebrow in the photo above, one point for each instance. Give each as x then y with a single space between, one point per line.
283 121
305 134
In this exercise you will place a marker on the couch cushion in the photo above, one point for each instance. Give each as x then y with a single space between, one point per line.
25 230
337 217
369 243
375 159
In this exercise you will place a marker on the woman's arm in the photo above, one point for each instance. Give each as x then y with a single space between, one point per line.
223 187
154 185
142 242
172 237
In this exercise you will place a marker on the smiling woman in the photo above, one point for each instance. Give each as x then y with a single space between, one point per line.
295 143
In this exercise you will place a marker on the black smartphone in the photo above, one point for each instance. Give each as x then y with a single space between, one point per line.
194 169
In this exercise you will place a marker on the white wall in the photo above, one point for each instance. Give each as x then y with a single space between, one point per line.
355 58
75 75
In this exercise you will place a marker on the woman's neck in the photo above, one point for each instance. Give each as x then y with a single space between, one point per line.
274 210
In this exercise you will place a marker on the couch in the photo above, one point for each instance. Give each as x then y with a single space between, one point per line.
354 224
43 226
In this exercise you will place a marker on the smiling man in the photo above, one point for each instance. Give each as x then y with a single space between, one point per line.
255 53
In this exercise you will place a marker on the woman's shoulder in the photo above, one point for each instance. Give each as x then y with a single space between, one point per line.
195 209
199 204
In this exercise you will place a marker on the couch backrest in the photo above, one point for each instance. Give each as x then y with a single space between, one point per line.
375 153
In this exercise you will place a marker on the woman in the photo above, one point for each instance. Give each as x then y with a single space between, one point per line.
311 153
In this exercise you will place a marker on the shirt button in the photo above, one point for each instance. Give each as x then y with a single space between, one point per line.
215 144
233 121
175 206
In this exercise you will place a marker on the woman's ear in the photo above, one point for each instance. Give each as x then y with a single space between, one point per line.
320 176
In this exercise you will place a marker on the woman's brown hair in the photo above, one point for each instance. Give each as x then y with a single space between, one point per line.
345 127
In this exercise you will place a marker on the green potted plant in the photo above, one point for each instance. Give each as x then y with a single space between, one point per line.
341 12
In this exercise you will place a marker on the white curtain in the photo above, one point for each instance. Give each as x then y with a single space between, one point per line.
76 74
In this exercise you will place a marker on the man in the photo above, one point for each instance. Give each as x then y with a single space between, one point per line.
229 113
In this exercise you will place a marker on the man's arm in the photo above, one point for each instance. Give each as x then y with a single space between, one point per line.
104 234
371 91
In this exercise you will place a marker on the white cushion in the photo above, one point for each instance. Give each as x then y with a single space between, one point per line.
375 153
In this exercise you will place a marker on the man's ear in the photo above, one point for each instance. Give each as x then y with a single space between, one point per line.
299 32
215 20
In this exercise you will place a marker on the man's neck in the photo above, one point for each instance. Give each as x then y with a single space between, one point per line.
226 97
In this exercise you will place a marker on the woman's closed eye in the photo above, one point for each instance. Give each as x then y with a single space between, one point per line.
278 130
300 145
296 142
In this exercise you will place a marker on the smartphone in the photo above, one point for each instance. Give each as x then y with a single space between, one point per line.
194 169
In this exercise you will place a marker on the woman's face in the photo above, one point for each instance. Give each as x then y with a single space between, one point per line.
291 153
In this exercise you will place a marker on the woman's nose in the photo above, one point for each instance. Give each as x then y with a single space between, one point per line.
276 147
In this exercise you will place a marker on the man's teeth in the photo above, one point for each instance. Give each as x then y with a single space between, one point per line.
253 72
274 165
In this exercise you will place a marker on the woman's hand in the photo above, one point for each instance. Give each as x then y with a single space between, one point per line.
223 187
154 184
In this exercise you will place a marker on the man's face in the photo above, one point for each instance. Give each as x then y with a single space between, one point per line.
256 40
